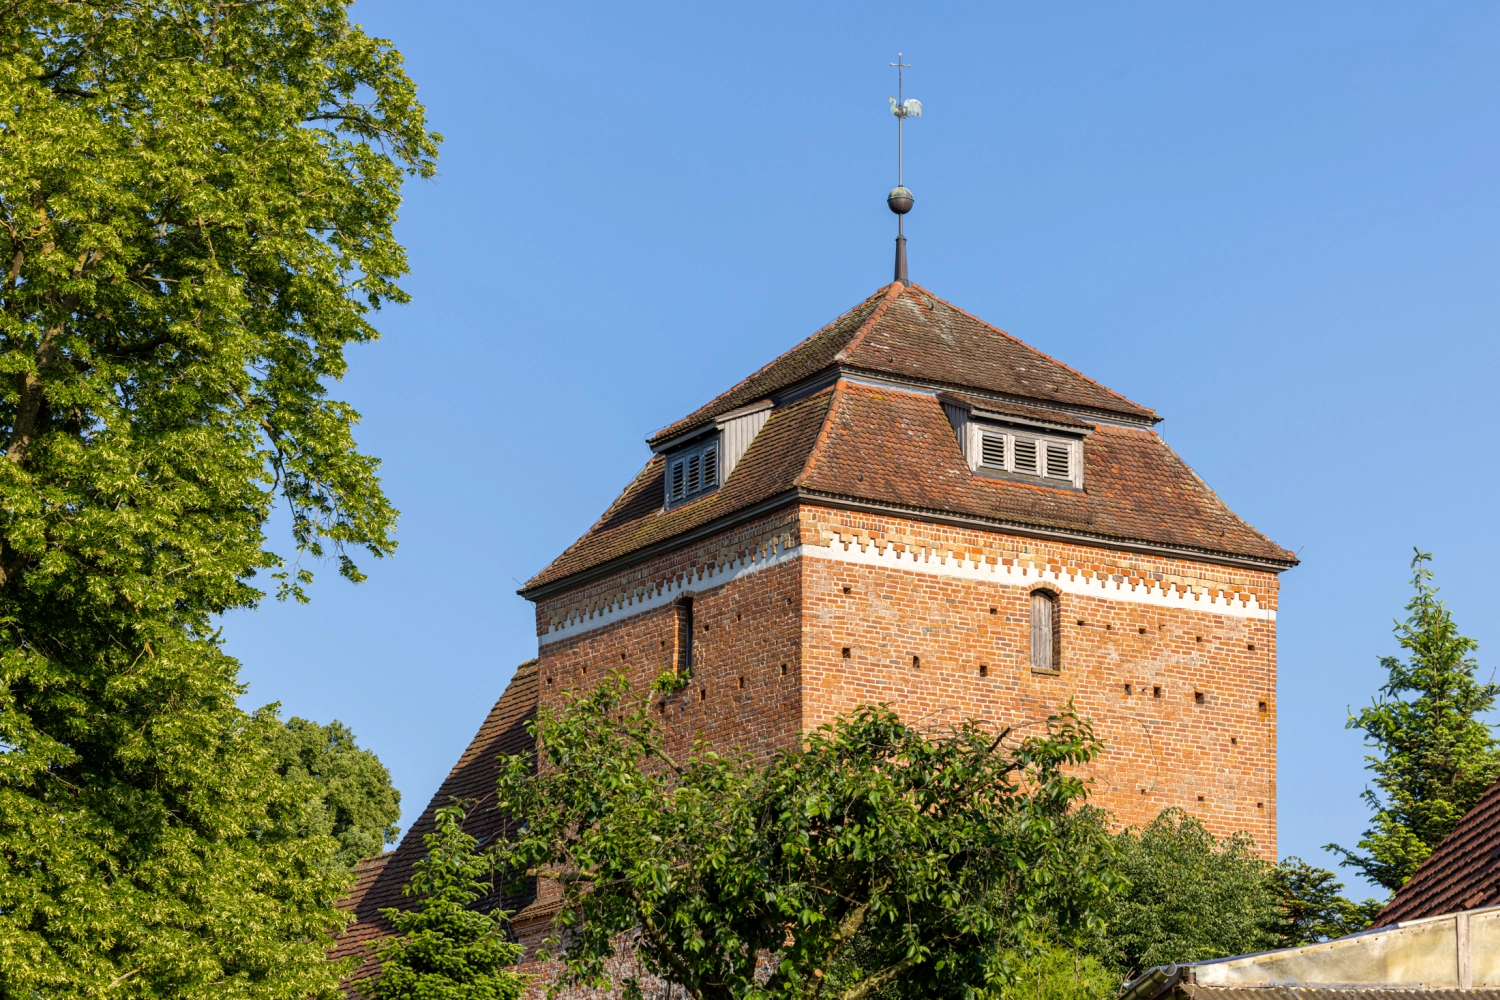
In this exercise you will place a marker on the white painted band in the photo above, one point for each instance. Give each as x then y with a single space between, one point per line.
919 561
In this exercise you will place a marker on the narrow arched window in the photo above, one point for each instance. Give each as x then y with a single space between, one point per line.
684 664
1044 651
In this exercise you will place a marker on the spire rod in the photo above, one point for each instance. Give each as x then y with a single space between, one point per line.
900 199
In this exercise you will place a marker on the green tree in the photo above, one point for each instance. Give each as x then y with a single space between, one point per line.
196 210
1313 906
354 800
444 949
875 857
1053 972
1190 896
1433 755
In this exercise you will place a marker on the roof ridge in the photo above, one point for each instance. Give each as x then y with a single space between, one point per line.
892 293
835 397
1010 336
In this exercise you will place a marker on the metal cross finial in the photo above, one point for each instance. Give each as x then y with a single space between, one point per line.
899 67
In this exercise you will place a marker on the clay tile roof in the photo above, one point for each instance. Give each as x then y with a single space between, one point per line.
1462 874
378 880
907 332
896 447
890 442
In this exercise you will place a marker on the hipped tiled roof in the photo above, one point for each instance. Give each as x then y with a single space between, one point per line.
378 880
907 332
879 434
1462 874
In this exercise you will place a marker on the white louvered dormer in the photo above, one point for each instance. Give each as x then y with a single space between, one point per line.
1024 453
1018 442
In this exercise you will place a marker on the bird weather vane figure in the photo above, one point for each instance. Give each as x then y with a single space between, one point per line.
900 199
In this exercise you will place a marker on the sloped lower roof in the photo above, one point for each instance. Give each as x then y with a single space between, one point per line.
905 331
378 880
1462 874
893 447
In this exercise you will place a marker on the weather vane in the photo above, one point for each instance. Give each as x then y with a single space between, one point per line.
900 199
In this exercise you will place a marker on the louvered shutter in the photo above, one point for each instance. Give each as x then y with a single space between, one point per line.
992 451
1059 465
1025 454
710 467
1043 620
693 480
677 480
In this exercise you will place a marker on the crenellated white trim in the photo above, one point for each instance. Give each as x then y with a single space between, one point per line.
1179 596
648 597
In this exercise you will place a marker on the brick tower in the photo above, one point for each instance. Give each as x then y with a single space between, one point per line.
913 507
910 507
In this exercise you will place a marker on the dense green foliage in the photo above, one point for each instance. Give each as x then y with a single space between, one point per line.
1433 755
1052 972
1190 896
196 202
444 949
939 851
355 802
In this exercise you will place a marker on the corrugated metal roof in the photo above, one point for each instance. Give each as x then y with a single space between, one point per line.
1332 993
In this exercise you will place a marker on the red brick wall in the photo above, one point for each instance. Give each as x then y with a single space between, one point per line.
1215 757
745 680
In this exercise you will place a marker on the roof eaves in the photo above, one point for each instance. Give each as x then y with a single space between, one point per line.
875 377
661 444
1130 544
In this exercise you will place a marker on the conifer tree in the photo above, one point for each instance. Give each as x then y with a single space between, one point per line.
196 209
445 950
1433 756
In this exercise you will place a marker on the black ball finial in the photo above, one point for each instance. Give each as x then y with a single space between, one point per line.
900 200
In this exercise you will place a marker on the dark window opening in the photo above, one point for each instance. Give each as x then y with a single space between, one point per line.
1156 692
984 670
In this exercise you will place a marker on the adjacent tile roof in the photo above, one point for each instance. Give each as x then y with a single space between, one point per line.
1462 874
906 331
378 880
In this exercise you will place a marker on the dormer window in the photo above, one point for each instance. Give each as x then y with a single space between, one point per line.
1027 455
1018 442
693 471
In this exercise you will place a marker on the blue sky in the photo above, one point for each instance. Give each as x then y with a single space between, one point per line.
1277 224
